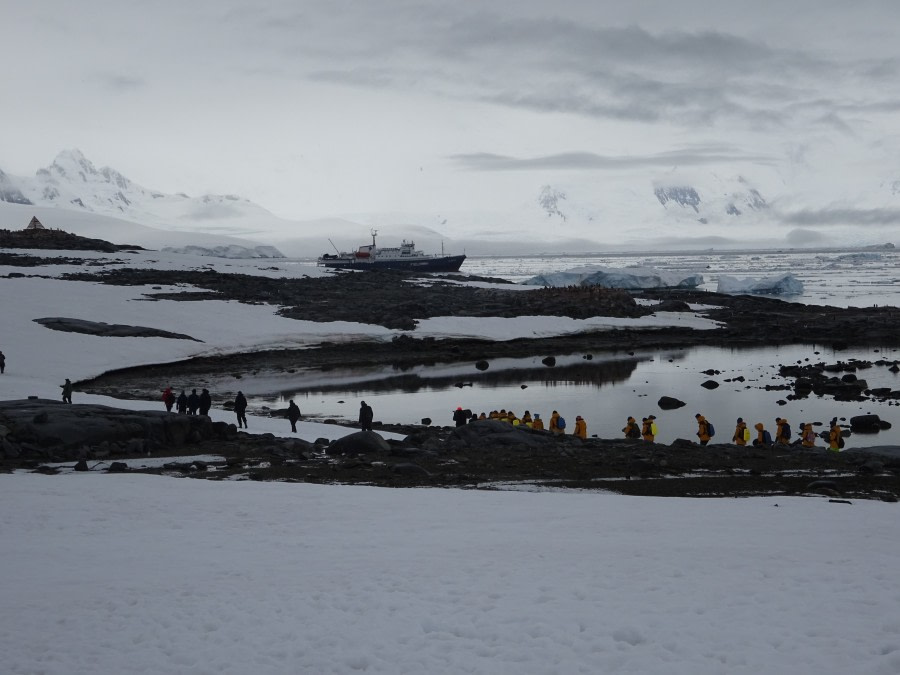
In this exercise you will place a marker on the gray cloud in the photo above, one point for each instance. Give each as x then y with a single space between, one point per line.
120 82
863 217
484 161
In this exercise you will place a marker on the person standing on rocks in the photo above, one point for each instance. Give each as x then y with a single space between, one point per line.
763 437
554 422
580 427
647 429
168 398
193 402
782 431
702 429
66 391
293 415
366 415
2 363
537 423
459 416
181 403
631 428
741 433
205 402
835 437
240 410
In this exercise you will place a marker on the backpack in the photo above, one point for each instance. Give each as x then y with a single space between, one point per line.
840 441
746 434
653 428
767 437
786 431
633 432
710 429
561 422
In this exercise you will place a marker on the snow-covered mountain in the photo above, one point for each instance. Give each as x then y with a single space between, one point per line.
578 212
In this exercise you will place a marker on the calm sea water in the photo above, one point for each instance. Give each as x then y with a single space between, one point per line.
610 387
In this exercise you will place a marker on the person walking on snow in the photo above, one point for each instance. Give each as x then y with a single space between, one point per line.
240 410
2 363
293 415
193 402
168 398
181 403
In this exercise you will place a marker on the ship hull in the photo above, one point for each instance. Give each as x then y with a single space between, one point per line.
450 263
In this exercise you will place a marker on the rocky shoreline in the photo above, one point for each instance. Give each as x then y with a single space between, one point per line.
50 437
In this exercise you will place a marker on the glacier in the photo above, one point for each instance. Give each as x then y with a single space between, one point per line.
231 251
630 278
781 284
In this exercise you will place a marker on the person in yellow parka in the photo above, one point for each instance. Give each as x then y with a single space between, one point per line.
554 418
763 437
526 418
702 429
809 436
781 426
741 432
537 422
512 419
646 429
580 427
835 438
631 429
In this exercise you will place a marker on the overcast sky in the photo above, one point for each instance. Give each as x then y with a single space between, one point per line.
315 108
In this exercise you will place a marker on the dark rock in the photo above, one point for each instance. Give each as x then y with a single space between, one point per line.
426 421
409 470
485 433
549 361
117 467
669 403
360 443
80 465
672 306
710 384
107 330
482 365
863 423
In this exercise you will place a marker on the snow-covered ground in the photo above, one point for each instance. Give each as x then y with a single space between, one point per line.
143 574
39 359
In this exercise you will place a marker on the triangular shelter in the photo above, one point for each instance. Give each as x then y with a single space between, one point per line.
35 224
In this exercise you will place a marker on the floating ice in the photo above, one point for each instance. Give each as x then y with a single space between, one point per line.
782 284
632 278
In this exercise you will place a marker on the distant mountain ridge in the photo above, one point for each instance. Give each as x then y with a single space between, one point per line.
72 181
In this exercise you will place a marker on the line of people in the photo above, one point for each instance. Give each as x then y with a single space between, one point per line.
783 433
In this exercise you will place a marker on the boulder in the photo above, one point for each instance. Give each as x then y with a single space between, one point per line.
485 433
669 403
710 384
864 423
360 443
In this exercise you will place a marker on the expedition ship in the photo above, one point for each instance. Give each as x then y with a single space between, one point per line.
403 257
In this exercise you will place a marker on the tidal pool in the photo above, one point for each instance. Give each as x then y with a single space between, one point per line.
604 389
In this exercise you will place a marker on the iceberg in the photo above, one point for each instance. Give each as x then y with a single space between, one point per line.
631 278
782 284
233 251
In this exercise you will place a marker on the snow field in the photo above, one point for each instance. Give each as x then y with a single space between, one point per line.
140 574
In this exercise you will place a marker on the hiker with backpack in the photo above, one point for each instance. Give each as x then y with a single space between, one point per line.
741 432
554 419
763 437
560 424
782 431
631 429
835 437
808 436
704 429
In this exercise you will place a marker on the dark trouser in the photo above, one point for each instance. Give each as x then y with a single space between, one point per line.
294 426
242 420
67 398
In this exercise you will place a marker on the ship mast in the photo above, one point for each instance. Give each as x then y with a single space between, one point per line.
374 232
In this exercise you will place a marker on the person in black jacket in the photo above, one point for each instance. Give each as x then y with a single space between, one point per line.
293 415
240 409
193 402
365 417
205 402
459 416
2 363
181 403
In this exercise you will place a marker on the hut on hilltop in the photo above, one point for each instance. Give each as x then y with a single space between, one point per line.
35 224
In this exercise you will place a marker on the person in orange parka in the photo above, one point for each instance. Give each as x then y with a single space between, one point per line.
537 422
702 429
580 427
631 428
554 418
739 437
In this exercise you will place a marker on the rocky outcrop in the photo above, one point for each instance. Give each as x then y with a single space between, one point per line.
45 430
107 329
58 240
